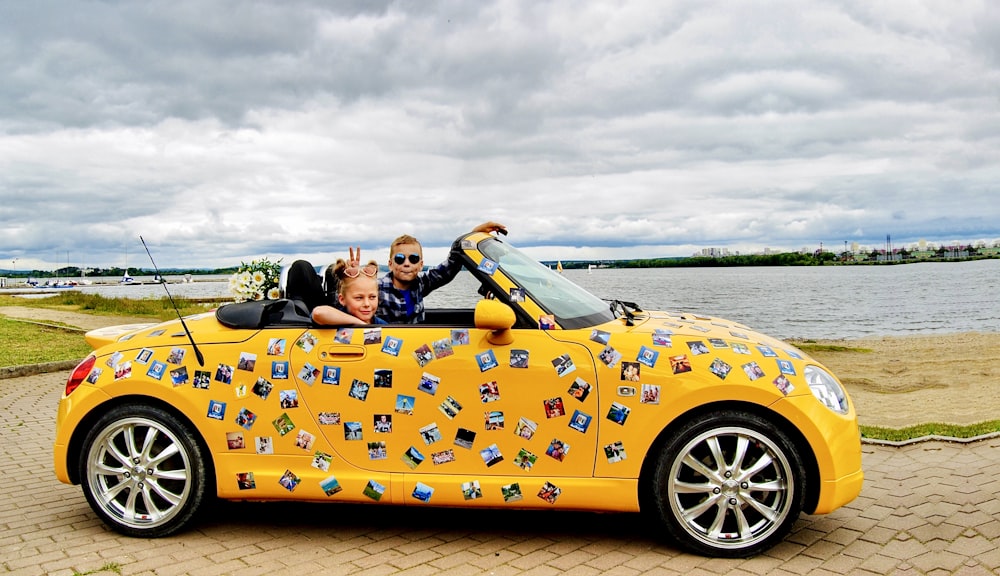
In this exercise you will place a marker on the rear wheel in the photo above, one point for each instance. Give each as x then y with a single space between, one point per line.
142 471
729 484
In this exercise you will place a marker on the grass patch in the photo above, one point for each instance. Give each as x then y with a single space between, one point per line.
109 567
23 343
158 308
812 346
931 429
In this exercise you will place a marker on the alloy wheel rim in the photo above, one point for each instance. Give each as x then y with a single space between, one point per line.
139 472
730 487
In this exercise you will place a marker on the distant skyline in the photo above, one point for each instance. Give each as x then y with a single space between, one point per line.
224 131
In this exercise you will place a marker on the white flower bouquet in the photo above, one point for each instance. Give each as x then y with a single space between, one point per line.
257 280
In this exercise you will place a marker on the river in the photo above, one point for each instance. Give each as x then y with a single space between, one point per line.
787 302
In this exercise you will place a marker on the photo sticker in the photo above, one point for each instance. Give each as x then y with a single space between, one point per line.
377 451
235 441
276 347
581 421
680 364
720 368
216 410
489 392
429 383
144 356
610 356
697 347
557 449
309 374
247 361
262 388
264 444
382 378
283 424
321 461
511 492
245 481
374 490
647 356
783 384
176 356
486 361
353 431
443 457
430 433
460 337
563 365
554 408
124 370
245 418
422 492
279 370
307 341
630 371
600 336
493 420
289 480
618 413
786 367
382 423
224 374
662 337
330 485
753 371
491 455
615 452
359 389
392 346
373 336
488 266
525 459
343 336
202 379
450 407
179 376
549 492
472 490
423 355
525 428
650 394
412 458
518 358
404 404
579 389
442 348
331 375
304 440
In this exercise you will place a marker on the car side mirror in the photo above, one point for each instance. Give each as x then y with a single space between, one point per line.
497 318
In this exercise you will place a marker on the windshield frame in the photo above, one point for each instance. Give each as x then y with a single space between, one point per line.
570 305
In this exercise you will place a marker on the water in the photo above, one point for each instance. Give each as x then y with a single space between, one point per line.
787 302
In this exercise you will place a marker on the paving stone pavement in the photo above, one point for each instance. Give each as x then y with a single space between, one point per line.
928 508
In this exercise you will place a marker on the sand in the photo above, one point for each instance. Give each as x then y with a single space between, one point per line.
902 381
897 382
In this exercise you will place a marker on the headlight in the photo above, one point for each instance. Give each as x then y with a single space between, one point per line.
826 389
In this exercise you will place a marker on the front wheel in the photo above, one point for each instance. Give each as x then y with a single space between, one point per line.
729 484
142 471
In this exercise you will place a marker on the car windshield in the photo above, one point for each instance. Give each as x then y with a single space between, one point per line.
572 306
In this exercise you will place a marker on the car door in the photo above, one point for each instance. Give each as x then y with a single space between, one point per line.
427 400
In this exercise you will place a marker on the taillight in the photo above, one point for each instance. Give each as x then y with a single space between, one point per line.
81 371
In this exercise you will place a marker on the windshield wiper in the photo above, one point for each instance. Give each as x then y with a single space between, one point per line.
621 308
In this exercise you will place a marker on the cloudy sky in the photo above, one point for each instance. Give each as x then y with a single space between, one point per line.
225 131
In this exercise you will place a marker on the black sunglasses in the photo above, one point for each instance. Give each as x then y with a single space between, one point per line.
400 258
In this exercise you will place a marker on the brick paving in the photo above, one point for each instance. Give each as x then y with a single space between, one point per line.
927 508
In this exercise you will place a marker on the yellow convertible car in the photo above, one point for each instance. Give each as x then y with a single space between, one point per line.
541 396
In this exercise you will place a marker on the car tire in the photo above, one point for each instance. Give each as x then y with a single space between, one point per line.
143 471
728 484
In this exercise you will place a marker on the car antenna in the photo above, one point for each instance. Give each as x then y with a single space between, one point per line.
197 352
